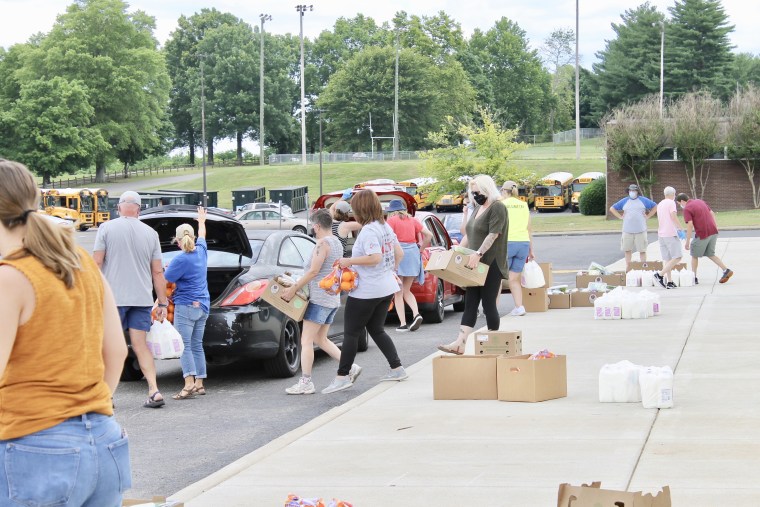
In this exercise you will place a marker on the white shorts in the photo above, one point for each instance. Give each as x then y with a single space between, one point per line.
670 248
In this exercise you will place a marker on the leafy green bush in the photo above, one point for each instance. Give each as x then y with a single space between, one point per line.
593 200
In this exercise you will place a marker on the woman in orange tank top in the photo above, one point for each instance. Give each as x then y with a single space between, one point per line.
59 442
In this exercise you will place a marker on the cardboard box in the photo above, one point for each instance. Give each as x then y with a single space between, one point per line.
157 501
535 300
560 301
616 279
295 308
450 266
522 379
646 266
591 495
508 343
464 378
584 299
546 267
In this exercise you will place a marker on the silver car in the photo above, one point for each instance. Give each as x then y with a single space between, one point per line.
269 219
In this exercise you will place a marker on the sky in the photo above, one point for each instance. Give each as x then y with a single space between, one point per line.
24 18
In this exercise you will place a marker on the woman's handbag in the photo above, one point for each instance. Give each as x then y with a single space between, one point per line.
164 340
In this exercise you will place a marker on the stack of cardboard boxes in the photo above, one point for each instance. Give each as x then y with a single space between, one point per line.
537 300
582 298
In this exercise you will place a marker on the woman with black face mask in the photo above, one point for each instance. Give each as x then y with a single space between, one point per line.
486 230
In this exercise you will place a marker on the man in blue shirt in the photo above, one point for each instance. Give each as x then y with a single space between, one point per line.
634 210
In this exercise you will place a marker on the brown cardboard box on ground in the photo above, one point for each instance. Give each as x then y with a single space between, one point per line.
157 501
616 279
508 343
535 300
584 299
646 266
522 379
449 265
546 267
560 301
464 377
591 495
295 308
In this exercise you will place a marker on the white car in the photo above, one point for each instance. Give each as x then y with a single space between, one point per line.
286 210
271 219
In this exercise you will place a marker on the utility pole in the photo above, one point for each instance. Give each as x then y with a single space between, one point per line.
320 111
577 90
203 132
395 105
263 18
662 63
302 10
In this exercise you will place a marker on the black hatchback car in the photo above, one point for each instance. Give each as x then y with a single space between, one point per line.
240 263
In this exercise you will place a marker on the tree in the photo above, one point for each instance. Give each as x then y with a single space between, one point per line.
558 49
114 56
629 66
698 51
438 37
558 53
49 128
593 200
521 86
745 70
695 132
636 137
744 134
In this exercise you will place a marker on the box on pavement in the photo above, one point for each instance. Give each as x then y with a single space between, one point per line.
535 300
451 266
645 266
464 377
591 495
584 298
560 301
295 308
520 378
616 279
157 501
508 343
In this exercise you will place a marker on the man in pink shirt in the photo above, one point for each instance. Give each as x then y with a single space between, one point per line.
668 235
701 219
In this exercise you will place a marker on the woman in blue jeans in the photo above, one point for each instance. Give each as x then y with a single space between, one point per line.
59 442
191 303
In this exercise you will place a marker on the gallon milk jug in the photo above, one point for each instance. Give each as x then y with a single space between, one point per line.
619 383
656 387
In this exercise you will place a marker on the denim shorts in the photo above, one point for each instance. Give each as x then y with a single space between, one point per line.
135 317
319 314
82 461
517 254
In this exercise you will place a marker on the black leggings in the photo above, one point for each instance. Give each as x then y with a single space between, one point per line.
486 294
369 314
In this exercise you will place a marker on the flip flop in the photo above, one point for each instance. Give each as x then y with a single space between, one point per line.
449 350
152 402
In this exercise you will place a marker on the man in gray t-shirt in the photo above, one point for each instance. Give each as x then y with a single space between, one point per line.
129 254
634 210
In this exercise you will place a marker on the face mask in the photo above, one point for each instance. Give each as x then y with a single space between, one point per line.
479 198
632 195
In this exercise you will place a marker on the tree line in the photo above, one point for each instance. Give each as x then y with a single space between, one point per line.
98 88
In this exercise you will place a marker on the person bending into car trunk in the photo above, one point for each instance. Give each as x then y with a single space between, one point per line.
375 257
191 303
323 305
487 231
58 437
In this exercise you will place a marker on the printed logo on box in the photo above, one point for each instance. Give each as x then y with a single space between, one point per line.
481 268
298 303
458 259
482 338
275 288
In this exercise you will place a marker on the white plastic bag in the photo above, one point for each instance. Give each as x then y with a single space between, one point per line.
619 383
656 387
164 341
532 276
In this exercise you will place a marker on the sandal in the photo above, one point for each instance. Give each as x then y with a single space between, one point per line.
184 394
452 350
152 402
199 390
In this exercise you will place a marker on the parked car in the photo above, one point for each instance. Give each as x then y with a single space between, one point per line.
453 224
240 264
434 294
359 156
269 219
284 208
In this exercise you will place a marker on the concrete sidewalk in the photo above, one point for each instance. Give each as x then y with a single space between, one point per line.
395 445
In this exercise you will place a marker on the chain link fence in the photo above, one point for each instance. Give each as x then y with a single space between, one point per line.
568 136
360 156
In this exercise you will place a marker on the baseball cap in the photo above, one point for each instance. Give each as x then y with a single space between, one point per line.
508 185
130 197
633 187
396 205
342 206
185 230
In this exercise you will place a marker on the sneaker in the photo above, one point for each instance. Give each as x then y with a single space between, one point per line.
303 386
402 329
660 279
518 311
397 375
696 281
671 285
354 372
726 275
338 384
416 323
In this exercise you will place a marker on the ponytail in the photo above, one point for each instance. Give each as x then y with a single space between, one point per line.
515 191
187 243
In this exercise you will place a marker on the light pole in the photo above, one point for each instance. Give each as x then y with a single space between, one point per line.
263 18
320 111
662 62
302 10
203 132
577 90
395 105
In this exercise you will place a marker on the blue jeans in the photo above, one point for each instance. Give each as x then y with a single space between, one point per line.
190 321
81 462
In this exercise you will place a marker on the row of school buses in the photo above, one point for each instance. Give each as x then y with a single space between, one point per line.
84 207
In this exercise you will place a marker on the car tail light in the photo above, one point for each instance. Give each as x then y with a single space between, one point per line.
246 294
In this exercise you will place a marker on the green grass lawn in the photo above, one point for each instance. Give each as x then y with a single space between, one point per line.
548 157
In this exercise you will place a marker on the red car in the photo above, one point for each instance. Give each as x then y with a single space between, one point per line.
435 294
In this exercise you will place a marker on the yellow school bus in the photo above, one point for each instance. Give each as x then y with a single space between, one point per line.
416 188
578 185
525 194
73 204
102 213
553 191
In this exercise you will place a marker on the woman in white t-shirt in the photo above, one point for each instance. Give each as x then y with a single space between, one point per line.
375 257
